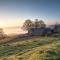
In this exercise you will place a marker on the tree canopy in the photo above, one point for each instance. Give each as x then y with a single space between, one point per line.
33 24
27 24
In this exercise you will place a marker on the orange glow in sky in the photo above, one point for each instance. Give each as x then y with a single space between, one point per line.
10 22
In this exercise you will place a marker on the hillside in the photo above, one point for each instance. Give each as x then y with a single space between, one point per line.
41 48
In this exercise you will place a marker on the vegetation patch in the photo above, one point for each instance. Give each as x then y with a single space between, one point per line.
47 48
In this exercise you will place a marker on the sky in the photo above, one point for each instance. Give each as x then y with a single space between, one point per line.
15 12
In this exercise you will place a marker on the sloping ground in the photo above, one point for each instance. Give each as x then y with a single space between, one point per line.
47 48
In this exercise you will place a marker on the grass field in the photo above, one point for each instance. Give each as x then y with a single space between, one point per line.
42 48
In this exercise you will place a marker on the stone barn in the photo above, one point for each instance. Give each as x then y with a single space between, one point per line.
39 31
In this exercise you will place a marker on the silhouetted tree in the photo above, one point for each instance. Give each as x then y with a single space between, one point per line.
39 24
1 33
27 24
57 28
36 23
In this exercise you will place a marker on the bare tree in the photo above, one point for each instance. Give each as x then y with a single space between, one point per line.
36 23
27 24
39 24
57 28
1 33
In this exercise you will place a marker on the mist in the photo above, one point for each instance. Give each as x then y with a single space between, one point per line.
13 31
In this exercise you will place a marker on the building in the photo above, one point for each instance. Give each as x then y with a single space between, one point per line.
39 31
